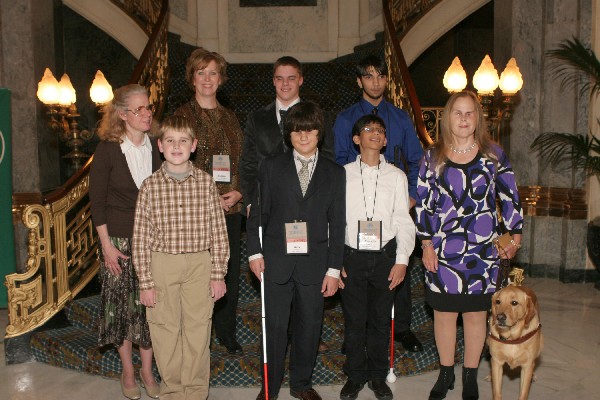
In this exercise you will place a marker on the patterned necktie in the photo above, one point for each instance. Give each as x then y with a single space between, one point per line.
375 111
282 114
303 174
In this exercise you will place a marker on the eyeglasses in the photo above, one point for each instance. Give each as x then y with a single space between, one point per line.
370 129
138 111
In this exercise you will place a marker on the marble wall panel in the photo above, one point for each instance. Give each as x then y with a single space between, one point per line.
575 244
288 29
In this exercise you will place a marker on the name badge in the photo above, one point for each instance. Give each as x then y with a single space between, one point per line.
369 236
221 168
296 238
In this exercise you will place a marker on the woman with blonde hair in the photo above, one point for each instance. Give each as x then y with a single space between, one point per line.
125 156
218 152
460 178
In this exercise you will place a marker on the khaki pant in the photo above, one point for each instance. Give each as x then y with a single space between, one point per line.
180 323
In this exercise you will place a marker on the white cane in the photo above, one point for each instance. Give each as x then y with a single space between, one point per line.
262 309
391 377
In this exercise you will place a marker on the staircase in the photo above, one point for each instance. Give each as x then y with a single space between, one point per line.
74 346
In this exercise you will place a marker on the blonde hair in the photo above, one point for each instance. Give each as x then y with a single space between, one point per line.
199 59
176 123
481 135
112 127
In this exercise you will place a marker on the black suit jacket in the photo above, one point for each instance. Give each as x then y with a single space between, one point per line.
281 201
262 138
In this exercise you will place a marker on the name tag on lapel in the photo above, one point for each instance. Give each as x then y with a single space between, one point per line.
296 238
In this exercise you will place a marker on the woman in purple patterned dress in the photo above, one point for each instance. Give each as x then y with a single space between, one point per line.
460 177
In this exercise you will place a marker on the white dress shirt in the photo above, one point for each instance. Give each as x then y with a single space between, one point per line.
139 159
390 204
279 106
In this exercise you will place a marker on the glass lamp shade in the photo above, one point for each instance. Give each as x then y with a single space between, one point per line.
48 92
66 91
101 91
511 80
486 78
455 78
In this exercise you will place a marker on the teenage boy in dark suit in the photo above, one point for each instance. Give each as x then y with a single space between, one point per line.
302 213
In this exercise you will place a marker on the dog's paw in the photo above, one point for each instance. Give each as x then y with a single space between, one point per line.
533 378
488 378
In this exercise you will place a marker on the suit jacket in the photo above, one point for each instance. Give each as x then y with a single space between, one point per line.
281 201
262 138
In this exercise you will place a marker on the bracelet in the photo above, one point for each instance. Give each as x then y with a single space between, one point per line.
517 245
425 245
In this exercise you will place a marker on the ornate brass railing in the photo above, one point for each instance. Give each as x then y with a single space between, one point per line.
401 90
62 242
405 13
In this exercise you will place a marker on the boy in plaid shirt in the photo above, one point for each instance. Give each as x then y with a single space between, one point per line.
180 253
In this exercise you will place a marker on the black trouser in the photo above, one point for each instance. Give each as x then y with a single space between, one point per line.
224 316
367 304
302 307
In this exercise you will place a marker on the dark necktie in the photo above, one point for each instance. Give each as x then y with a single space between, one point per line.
282 114
375 111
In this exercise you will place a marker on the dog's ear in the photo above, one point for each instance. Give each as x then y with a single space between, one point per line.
531 306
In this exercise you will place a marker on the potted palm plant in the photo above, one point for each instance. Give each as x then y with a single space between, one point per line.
572 61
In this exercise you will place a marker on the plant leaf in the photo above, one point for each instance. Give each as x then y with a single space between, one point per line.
575 61
557 147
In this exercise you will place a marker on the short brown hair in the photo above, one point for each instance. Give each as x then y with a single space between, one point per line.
288 60
199 59
176 123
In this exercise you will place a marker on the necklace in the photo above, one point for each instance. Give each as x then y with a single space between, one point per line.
462 151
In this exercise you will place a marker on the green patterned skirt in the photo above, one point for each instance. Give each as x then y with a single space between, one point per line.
122 316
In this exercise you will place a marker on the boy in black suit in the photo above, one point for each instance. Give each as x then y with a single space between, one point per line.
302 212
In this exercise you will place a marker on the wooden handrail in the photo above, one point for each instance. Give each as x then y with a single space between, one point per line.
401 88
62 242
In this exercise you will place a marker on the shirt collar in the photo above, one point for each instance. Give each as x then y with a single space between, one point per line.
168 177
127 144
366 106
309 159
382 162
279 106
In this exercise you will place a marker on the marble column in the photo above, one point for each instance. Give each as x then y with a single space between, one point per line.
527 29
27 36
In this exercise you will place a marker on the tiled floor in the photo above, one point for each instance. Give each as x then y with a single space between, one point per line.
568 368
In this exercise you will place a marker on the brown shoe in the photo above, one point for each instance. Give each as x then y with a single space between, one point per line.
308 394
261 396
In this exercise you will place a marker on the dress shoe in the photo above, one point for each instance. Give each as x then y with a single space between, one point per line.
351 389
381 390
445 382
232 346
308 394
151 390
130 393
261 396
409 341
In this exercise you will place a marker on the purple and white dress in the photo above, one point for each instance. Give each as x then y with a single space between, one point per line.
456 210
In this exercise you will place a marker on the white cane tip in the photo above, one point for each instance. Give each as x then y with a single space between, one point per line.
391 378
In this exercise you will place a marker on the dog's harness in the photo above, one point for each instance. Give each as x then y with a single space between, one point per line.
518 340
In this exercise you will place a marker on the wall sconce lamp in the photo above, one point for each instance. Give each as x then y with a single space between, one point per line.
59 99
486 81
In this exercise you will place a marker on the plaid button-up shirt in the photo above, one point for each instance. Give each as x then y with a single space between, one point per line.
178 217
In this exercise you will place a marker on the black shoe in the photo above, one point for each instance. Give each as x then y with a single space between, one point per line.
351 389
381 390
445 382
232 346
469 381
409 341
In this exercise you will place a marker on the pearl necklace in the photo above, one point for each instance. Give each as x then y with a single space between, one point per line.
462 151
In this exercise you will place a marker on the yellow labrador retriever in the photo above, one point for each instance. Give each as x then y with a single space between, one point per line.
515 336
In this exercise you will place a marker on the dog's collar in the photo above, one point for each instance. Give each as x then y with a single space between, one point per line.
518 340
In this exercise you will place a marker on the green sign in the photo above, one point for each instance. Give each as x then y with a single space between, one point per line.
7 240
